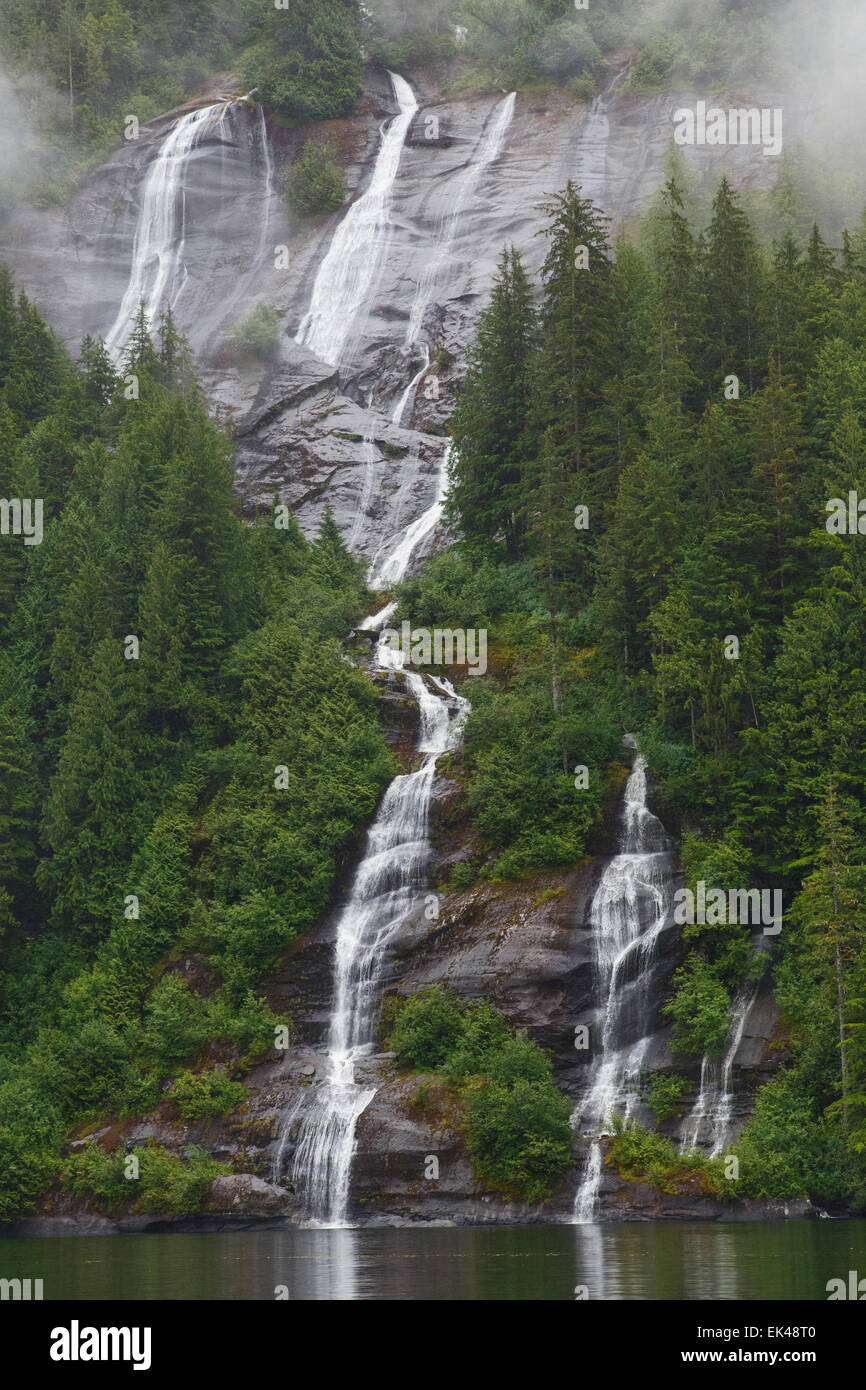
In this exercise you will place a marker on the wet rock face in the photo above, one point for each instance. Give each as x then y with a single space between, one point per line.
306 430
251 1195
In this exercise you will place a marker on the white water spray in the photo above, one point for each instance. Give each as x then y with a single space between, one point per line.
591 161
390 881
348 271
388 886
488 149
629 911
158 273
709 1121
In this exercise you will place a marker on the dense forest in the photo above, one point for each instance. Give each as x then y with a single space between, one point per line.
646 450
185 753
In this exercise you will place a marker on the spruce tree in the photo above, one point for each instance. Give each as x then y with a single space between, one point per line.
490 425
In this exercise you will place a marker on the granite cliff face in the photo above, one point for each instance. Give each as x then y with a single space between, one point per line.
307 429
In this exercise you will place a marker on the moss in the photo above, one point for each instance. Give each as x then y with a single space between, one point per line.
392 450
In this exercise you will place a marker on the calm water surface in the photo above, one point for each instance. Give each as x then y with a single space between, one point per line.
690 1261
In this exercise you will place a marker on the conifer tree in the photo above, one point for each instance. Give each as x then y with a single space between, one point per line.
490 424
733 278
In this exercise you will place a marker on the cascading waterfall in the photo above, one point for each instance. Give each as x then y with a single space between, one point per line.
591 160
397 553
391 877
629 911
158 273
387 887
396 561
709 1121
486 151
268 181
347 272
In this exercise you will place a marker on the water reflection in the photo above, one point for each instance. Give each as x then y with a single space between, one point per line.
712 1261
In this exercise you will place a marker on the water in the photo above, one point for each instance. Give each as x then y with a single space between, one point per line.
391 559
388 886
158 273
630 909
591 155
392 876
760 1260
348 271
398 554
486 151
708 1124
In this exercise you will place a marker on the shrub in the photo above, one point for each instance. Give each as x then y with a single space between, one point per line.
789 1149
206 1095
518 1133
30 1130
519 1137
665 1093
582 87
175 1022
307 63
700 1009
314 183
426 1029
639 1154
462 876
260 332
165 1182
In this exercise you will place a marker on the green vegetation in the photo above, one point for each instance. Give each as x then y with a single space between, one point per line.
165 1182
639 1155
206 1095
259 333
79 68
644 450
306 60
185 752
517 1129
314 183
520 43
666 1094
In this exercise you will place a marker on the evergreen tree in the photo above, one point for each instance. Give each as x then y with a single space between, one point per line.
489 427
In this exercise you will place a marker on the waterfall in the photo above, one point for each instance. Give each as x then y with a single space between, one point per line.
400 549
396 562
348 270
268 164
591 162
409 394
369 449
629 911
158 273
486 151
388 885
709 1121
392 876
